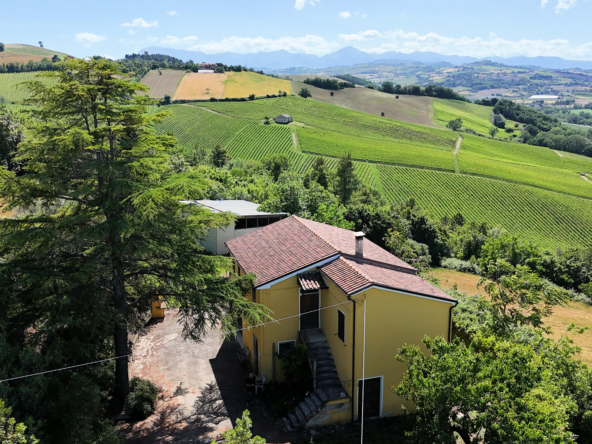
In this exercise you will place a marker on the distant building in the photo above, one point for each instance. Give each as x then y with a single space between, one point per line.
205 71
204 65
543 97
249 219
284 118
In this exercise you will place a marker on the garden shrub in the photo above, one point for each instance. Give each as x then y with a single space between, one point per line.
459 265
141 401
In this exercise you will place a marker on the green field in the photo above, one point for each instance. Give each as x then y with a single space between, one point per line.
19 48
475 117
547 218
527 190
9 89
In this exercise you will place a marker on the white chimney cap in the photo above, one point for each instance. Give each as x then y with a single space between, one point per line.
359 234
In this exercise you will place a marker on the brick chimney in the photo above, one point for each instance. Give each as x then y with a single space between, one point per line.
359 243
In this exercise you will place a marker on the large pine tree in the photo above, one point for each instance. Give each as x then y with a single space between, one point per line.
101 230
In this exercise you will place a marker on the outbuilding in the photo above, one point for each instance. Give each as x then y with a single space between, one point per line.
249 219
284 118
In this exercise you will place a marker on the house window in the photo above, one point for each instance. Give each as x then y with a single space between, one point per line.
341 325
286 347
252 223
240 224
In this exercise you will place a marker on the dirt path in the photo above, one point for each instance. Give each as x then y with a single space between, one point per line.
558 153
295 140
455 154
583 176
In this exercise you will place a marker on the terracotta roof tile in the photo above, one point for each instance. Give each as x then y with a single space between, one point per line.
311 280
293 244
352 276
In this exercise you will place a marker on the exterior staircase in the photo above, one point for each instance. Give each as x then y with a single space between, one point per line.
326 381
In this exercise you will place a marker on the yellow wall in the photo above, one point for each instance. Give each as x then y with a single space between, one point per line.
392 320
282 299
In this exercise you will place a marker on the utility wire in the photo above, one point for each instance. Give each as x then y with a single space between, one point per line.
207 336
64 368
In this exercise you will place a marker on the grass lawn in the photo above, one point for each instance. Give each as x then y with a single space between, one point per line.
580 314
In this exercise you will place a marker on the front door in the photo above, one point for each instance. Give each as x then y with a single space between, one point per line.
309 311
255 356
372 390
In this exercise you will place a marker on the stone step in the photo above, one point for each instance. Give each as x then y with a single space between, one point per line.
328 383
300 415
323 362
294 420
305 410
321 394
287 424
316 400
311 405
321 357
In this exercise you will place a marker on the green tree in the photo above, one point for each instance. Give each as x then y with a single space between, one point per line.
519 296
305 93
11 134
1 47
55 58
104 230
241 434
10 431
388 87
251 96
455 125
493 131
276 164
492 392
318 173
346 180
219 156
166 100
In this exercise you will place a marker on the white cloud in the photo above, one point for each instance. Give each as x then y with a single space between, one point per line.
360 36
407 42
131 32
301 3
344 14
89 38
308 44
171 13
172 40
564 5
141 23
152 39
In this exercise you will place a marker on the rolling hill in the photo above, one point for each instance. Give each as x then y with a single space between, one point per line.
530 191
17 52
203 86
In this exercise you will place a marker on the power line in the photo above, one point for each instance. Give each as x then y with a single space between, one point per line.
207 336
64 368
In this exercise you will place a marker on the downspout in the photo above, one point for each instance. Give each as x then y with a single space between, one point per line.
449 321
353 379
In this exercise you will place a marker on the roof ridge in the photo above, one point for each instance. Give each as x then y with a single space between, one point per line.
298 219
361 273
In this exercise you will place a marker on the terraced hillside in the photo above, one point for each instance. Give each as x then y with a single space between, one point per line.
527 190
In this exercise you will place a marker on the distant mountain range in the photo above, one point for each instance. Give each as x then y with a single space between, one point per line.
353 56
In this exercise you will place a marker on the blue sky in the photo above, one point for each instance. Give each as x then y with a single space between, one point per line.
476 28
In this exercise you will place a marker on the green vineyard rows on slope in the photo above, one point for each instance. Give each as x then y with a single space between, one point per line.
336 119
9 85
483 112
552 220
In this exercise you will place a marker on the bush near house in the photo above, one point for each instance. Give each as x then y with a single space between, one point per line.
141 402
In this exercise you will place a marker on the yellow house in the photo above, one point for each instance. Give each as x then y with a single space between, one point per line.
351 302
